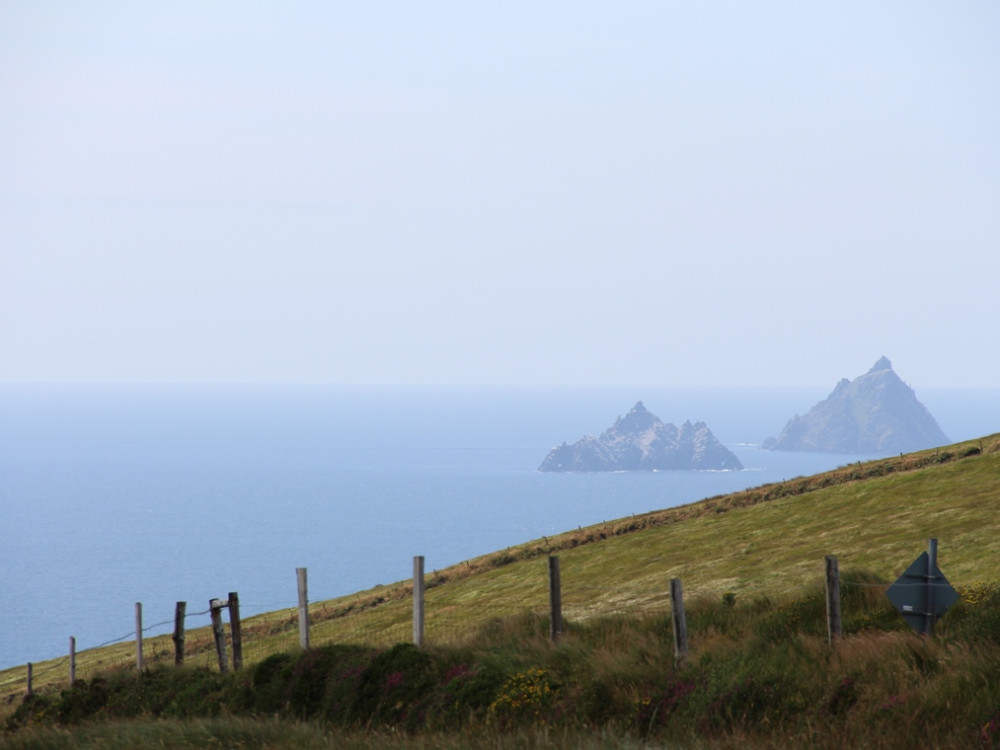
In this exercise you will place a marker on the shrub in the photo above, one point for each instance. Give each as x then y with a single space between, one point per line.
82 700
525 697
976 615
35 710
268 688
465 693
320 675
395 687
199 693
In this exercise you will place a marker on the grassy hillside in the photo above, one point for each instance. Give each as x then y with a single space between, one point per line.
763 546
767 541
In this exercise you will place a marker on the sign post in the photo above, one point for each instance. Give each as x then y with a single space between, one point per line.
922 594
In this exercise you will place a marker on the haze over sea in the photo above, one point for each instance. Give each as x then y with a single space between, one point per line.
158 493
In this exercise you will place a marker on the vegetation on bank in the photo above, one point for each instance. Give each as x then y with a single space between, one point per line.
760 673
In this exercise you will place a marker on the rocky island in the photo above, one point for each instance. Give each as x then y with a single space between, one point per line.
876 413
640 441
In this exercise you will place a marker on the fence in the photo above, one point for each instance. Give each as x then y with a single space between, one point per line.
382 617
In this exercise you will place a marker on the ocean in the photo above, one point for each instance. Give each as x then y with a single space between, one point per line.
111 494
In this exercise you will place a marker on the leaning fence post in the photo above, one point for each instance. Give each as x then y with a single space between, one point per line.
555 600
300 574
72 660
215 607
418 600
679 621
179 632
138 636
30 676
833 623
234 629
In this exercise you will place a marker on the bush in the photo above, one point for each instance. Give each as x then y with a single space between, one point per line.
310 675
465 694
199 693
976 615
268 689
525 697
82 701
395 687
35 710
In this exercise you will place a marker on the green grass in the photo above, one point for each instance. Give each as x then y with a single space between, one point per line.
764 548
766 541
760 675
247 734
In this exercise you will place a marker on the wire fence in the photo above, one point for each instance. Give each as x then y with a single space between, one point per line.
379 618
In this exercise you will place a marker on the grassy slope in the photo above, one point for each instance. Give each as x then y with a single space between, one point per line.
767 541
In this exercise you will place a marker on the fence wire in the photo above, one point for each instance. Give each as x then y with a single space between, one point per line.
452 617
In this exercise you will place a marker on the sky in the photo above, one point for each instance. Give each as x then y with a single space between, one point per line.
663 193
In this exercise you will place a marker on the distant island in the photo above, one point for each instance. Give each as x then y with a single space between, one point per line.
876 413
640 441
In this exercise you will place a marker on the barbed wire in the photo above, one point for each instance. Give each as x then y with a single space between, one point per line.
157 625
275 605
655 603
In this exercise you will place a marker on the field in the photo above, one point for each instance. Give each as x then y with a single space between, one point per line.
760 672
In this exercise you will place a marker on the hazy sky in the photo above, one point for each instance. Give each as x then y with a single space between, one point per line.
733 193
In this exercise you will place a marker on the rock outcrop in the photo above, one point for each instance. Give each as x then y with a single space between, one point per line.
639 441
876 413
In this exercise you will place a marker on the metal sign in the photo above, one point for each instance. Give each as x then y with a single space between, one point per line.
922 594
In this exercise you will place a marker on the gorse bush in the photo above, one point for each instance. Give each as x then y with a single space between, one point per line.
976 616
525 696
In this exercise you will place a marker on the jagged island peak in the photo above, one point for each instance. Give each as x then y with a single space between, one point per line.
641 441
874 414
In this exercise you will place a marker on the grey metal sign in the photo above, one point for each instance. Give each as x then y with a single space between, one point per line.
922 594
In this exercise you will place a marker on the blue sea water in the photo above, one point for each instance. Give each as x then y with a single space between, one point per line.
110 495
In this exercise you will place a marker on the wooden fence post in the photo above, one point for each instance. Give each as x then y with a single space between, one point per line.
555 600
833 622
138 636
179 632
418 600
30 677
234 629
300 574
932 551
72 660
215 607
679 620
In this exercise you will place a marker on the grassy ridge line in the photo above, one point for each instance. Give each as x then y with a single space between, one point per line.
768 541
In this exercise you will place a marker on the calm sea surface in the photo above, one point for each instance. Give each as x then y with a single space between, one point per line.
111 495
